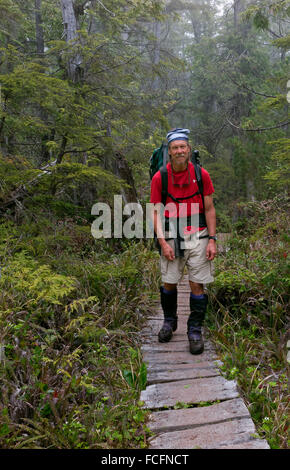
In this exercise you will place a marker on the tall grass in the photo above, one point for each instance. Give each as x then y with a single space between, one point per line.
249 315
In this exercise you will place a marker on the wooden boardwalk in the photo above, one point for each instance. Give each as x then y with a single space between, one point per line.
192 405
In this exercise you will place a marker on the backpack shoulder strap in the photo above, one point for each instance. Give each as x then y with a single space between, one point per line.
164 184
198 175
164 181
198 172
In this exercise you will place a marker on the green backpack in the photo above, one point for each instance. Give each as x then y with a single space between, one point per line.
158 159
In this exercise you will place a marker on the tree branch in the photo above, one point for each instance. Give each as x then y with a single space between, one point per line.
273 33
247 88
259 129
105 8
80 151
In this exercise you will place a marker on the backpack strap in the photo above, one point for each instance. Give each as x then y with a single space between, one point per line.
164 184
198 174
180 199
164 188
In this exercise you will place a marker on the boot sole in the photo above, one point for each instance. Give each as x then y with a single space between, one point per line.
164 340
196 350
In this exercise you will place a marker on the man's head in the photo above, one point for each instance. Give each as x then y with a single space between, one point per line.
178 148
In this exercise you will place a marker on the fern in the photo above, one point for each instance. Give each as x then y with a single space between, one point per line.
34 284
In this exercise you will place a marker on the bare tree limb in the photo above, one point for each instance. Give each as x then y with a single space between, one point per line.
105 8
259 129
273 33
242 85
22 190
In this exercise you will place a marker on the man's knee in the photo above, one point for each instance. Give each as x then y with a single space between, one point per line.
196 288
169 287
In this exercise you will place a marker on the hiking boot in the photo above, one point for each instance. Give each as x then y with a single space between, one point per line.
169 306
196 344
195 321
165 334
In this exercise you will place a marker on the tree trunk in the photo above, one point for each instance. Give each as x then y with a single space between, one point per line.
236 13
71 26
62 149
250 190
39 28
116 162
196 29
44 153
124 172
92 27
156 53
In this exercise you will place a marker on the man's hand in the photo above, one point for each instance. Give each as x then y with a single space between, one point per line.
167 251
211 250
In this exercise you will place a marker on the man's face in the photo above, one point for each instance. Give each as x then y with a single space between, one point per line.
179 151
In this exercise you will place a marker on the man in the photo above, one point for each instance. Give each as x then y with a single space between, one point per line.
194 247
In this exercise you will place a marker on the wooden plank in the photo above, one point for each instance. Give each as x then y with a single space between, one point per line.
179 346
230 434
201 364
251 444
178 420
157 376
177 357
188 391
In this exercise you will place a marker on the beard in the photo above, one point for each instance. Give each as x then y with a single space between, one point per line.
178 164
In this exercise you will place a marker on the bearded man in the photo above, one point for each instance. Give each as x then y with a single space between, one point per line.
188 238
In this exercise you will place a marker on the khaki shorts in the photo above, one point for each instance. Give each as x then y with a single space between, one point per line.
199 269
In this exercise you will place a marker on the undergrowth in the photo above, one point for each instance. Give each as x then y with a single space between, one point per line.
249 315
71 308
